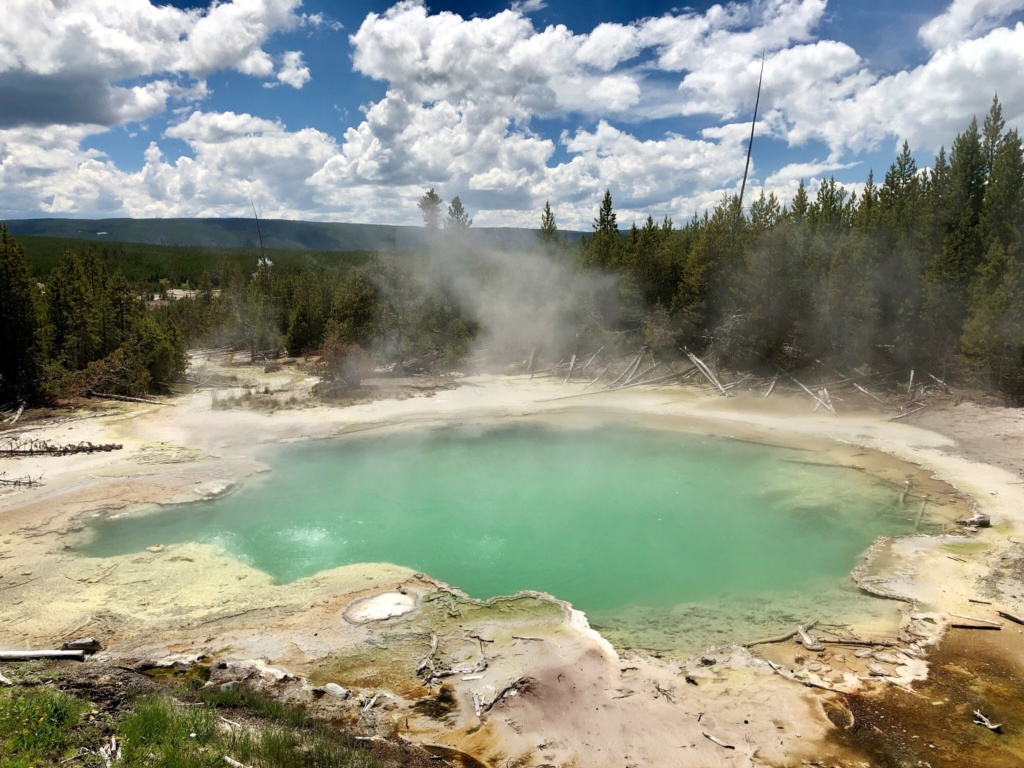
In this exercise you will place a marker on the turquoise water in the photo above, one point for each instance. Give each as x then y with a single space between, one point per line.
619 521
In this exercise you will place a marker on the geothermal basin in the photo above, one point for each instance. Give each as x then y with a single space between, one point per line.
666 540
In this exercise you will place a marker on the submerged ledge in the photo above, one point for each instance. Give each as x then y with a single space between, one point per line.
187 597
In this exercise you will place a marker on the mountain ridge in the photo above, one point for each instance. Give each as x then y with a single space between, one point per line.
276 233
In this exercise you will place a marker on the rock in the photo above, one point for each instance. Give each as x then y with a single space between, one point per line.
876 670
888 657
334 690
87 644
156 548
863 653
230 685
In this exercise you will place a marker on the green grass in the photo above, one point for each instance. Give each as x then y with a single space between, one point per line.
38 726
178 728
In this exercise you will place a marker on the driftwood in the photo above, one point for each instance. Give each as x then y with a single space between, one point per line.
16 447
20 482
940 382
512 689
719 742
975 626
816 398
1011 617
629 368
601 374
979 519
705 371
778 668
5 681
125 398
428 660
35 655
869 394
638 376
909 413
14 419
975 618
592 357
980 719
232 762
781 638
809 641
572 366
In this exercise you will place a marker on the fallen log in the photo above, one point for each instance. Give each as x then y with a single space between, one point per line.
14 419
1010 617
816 398
602 373
809 641
869 394
78 655
572 366
771 387
705 371
780 638
124 398
15 447
980 719
428 660
974 626
591 359
512 689
975 618
909 413
719 742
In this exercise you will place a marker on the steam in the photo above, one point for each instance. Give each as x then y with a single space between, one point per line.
523 301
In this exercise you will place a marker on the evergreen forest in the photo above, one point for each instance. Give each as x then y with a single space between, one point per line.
921 269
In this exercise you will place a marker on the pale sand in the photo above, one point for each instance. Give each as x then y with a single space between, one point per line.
584 703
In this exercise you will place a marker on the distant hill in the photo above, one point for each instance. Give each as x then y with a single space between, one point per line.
277 234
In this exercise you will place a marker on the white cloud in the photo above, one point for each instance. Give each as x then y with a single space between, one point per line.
63 62
293 70
528 6
965 19
462 104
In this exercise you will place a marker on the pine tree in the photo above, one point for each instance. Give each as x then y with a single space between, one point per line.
993 336
548 234
430 209
19 359
457 221
1003 208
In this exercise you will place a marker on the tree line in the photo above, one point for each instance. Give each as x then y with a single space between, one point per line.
85 329
922 270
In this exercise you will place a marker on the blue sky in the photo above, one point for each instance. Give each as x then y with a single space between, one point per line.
349 111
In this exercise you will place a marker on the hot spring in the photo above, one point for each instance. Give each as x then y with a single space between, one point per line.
666 540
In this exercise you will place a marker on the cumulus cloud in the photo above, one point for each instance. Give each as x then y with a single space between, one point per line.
966 19
463 99
64 63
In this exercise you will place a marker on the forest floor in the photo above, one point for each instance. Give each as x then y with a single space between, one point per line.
535 685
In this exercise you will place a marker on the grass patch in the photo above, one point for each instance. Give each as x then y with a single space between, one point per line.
174 726
38 725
